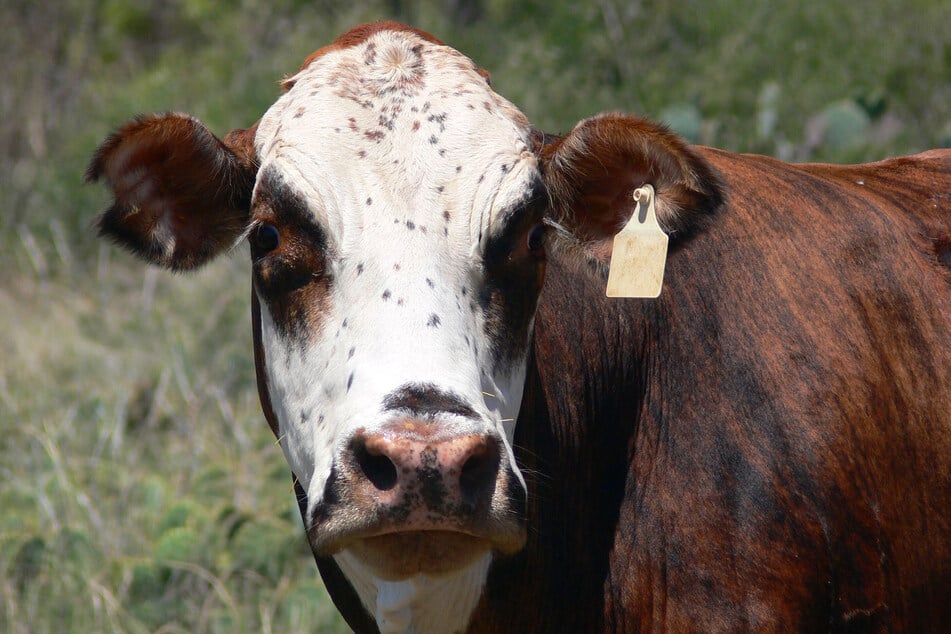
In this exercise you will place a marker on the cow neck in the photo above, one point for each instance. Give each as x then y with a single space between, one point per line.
585 389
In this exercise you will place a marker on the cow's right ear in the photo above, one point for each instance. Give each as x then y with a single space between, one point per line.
182 196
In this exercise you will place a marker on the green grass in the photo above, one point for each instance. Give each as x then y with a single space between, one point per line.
140 488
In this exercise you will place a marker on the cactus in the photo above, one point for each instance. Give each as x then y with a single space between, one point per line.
845 124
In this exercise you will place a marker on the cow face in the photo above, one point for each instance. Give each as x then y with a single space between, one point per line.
394 207
391 237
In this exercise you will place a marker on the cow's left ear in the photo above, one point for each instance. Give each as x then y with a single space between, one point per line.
592 172
182 196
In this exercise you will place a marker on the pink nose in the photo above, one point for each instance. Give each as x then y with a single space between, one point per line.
409 467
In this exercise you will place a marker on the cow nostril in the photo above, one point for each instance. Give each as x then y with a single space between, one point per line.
479 472
377 467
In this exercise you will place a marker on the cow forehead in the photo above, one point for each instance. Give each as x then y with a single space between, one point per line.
401 122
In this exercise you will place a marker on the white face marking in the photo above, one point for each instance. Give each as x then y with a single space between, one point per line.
409 164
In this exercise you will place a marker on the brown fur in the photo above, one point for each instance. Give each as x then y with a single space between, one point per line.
630 153
169 172
766 446
290 279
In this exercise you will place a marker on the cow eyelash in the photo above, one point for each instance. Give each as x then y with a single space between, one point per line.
264 238
536 237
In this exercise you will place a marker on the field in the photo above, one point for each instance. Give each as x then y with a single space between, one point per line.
140 489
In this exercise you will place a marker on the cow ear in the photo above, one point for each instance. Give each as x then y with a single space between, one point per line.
182 195
592 172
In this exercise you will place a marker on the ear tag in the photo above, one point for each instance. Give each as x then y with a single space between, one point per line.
640 252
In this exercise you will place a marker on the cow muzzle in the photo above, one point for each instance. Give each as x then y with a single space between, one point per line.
412 499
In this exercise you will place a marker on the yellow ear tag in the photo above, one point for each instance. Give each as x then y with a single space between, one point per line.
640 252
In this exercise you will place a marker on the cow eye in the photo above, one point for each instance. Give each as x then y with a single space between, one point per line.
266 238
536 237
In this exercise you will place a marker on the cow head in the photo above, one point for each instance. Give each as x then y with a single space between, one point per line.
395 209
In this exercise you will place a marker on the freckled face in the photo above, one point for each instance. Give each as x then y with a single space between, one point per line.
393 210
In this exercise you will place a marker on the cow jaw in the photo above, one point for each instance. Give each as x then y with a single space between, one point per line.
395 311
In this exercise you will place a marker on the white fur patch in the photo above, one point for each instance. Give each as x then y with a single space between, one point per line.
408 161
421 605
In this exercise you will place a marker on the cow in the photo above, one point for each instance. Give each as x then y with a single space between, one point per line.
765 446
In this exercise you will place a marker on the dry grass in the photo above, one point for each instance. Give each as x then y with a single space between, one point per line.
140 489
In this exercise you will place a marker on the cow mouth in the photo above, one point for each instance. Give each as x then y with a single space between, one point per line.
400 555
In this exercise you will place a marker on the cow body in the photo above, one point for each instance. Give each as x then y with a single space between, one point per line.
764 447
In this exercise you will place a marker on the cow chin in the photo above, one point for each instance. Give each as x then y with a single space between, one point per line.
399 556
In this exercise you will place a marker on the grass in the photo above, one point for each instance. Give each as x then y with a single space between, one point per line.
142 490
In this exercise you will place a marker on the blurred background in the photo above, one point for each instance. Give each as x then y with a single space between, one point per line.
140 489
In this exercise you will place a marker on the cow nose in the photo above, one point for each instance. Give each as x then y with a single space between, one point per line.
400 461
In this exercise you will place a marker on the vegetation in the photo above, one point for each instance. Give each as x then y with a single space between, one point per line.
140 489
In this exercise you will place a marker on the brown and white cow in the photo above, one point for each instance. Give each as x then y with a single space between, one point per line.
766 446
